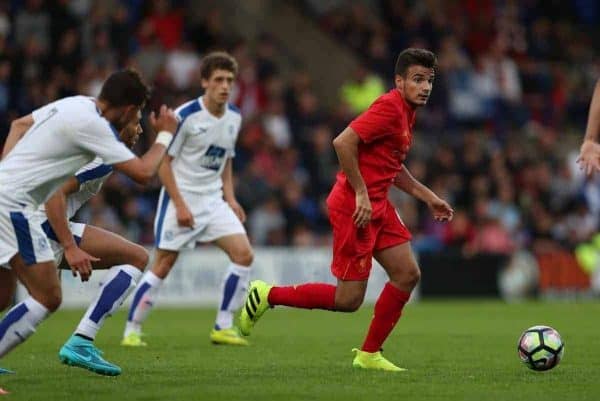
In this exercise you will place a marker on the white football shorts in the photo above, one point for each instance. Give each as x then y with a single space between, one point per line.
213 219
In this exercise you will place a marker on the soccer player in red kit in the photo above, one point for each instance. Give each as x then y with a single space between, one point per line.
371 151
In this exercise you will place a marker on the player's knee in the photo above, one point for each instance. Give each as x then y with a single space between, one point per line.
52 299
140 258
410 277
243 257
414 276
348 304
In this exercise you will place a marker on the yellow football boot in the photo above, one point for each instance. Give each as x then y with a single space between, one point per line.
133 339
257 303
373 360
227 337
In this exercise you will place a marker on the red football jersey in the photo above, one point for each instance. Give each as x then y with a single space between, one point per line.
385 130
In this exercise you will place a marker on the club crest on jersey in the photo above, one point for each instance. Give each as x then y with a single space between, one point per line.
230 128
213 158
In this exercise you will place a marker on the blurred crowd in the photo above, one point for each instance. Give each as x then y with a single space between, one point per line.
498 139
509 108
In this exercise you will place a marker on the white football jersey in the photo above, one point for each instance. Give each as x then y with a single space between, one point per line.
67 134
91 178
202 146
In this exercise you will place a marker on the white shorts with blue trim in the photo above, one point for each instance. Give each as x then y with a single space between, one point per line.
21 232
77 230
213 219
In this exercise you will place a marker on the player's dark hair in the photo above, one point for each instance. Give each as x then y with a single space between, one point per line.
124 88
217 61
412 56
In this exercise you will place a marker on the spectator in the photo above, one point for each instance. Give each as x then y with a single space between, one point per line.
266 222
33 22
182 65
362 90
167 22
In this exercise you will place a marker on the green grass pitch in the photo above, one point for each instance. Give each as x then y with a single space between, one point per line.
454 350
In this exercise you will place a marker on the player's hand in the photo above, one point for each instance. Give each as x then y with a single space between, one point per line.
440 209
166 120
238 210
80 262
589 157
363 210
184 216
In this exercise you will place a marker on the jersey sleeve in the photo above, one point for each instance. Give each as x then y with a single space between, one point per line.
237 128
179 140
101 139
92 171
43 112
377 122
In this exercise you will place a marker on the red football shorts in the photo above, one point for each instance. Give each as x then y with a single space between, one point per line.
353 247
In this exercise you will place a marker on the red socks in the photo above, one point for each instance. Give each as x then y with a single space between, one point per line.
388 309
322 296
305 296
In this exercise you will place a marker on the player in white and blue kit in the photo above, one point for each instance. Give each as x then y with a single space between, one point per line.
197 202
53 143
125 259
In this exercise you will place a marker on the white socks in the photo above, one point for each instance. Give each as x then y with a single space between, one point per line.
143 300
234 288
233 293
20 323
118 283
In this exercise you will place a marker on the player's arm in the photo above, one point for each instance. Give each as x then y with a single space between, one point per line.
228 191
183 213
406 182
56 211
346 148
589 155
142 169
18 128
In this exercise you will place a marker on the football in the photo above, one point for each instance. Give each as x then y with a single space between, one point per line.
540 348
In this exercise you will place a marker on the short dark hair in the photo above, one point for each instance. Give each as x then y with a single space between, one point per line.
124 88
412 56
217 61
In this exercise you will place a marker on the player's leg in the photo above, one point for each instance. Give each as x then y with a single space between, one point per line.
126 261
44 298
8 287
403 271
169 239
25 247
404 274
233 288
347 296
145 294
394 253
223 228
